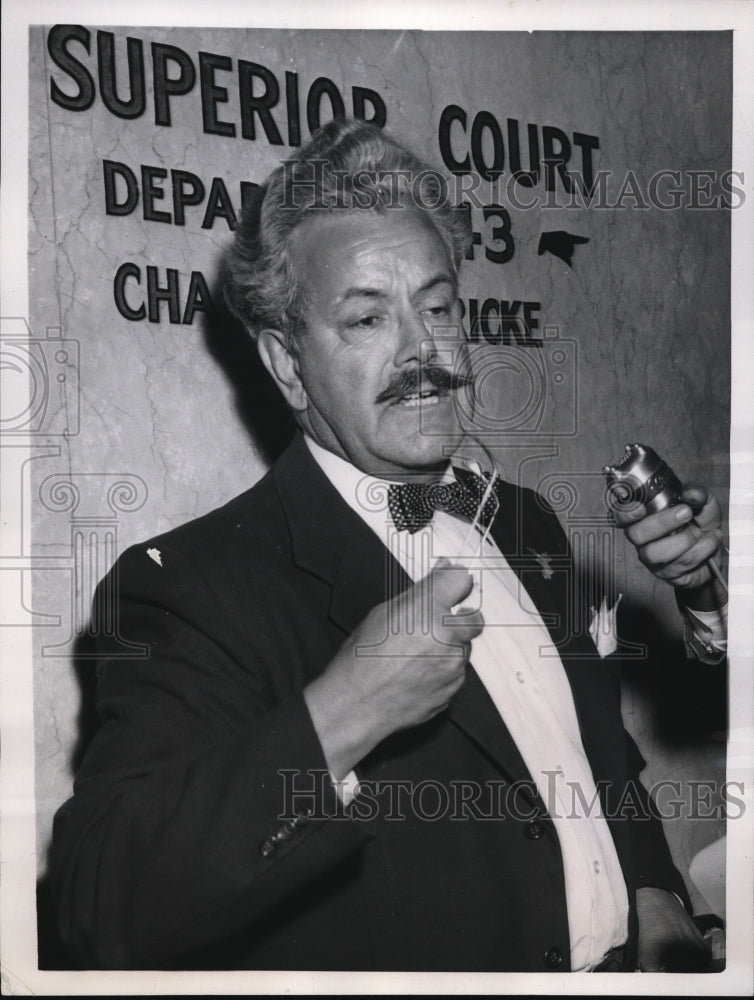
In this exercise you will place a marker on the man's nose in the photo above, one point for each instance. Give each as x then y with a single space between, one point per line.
416 340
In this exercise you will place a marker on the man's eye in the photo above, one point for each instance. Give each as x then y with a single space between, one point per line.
365 322
442 310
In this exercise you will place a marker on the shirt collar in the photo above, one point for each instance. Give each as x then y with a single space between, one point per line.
365 494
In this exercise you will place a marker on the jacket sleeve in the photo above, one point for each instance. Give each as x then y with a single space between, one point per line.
652 861
204 798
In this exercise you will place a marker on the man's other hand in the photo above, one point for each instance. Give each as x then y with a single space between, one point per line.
399 668
669 940
676 550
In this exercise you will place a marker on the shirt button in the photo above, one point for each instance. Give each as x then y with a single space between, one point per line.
534 830
596 867
268 847
553 958
520 677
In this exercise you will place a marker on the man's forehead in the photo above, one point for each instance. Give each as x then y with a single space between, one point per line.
338 249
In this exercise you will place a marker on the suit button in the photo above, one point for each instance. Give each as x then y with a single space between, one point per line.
286 830
268 847
553 958
534 829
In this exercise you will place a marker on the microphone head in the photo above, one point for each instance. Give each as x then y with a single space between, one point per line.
641 476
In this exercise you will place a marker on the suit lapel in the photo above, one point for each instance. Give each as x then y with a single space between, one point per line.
474 712
331 541
540 558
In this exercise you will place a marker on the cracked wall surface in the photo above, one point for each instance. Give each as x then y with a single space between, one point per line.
644 308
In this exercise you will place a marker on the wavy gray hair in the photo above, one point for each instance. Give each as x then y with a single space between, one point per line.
348 165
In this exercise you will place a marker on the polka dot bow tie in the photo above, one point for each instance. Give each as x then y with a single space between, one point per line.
412 505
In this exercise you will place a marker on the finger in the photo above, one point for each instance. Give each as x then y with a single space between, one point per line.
687 562
695 559
705 505
669 548
696 495
460 624
658 525
466 624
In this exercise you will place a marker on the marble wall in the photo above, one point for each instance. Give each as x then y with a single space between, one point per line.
157 420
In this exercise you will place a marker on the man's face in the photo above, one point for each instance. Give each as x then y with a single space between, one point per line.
382 336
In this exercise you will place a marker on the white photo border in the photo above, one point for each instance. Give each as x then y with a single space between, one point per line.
17 903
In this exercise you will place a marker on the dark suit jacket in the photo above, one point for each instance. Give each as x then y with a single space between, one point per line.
183 846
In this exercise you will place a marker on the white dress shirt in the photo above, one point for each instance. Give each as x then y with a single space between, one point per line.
705 634
515 658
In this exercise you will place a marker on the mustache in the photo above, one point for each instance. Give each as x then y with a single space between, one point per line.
413 379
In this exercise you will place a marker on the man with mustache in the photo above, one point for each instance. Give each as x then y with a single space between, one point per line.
345 750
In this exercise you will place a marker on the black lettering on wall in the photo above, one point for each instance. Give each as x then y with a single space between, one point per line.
501 234
530 321
127 270
219 206
166 86
137 101
498 322
123 187
213 94
490 307
361 97
294 112
57 45
509 319
526 177
556 159
450 114
156 294
484 147
188 189
198 299
150 193
486 121
112 171
586 143
320 87
252 106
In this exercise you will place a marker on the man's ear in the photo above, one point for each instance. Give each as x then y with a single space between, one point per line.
283 366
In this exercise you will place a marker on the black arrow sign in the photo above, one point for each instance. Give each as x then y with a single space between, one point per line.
560 243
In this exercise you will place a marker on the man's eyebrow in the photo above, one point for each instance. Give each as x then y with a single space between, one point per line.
442 278
359 291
